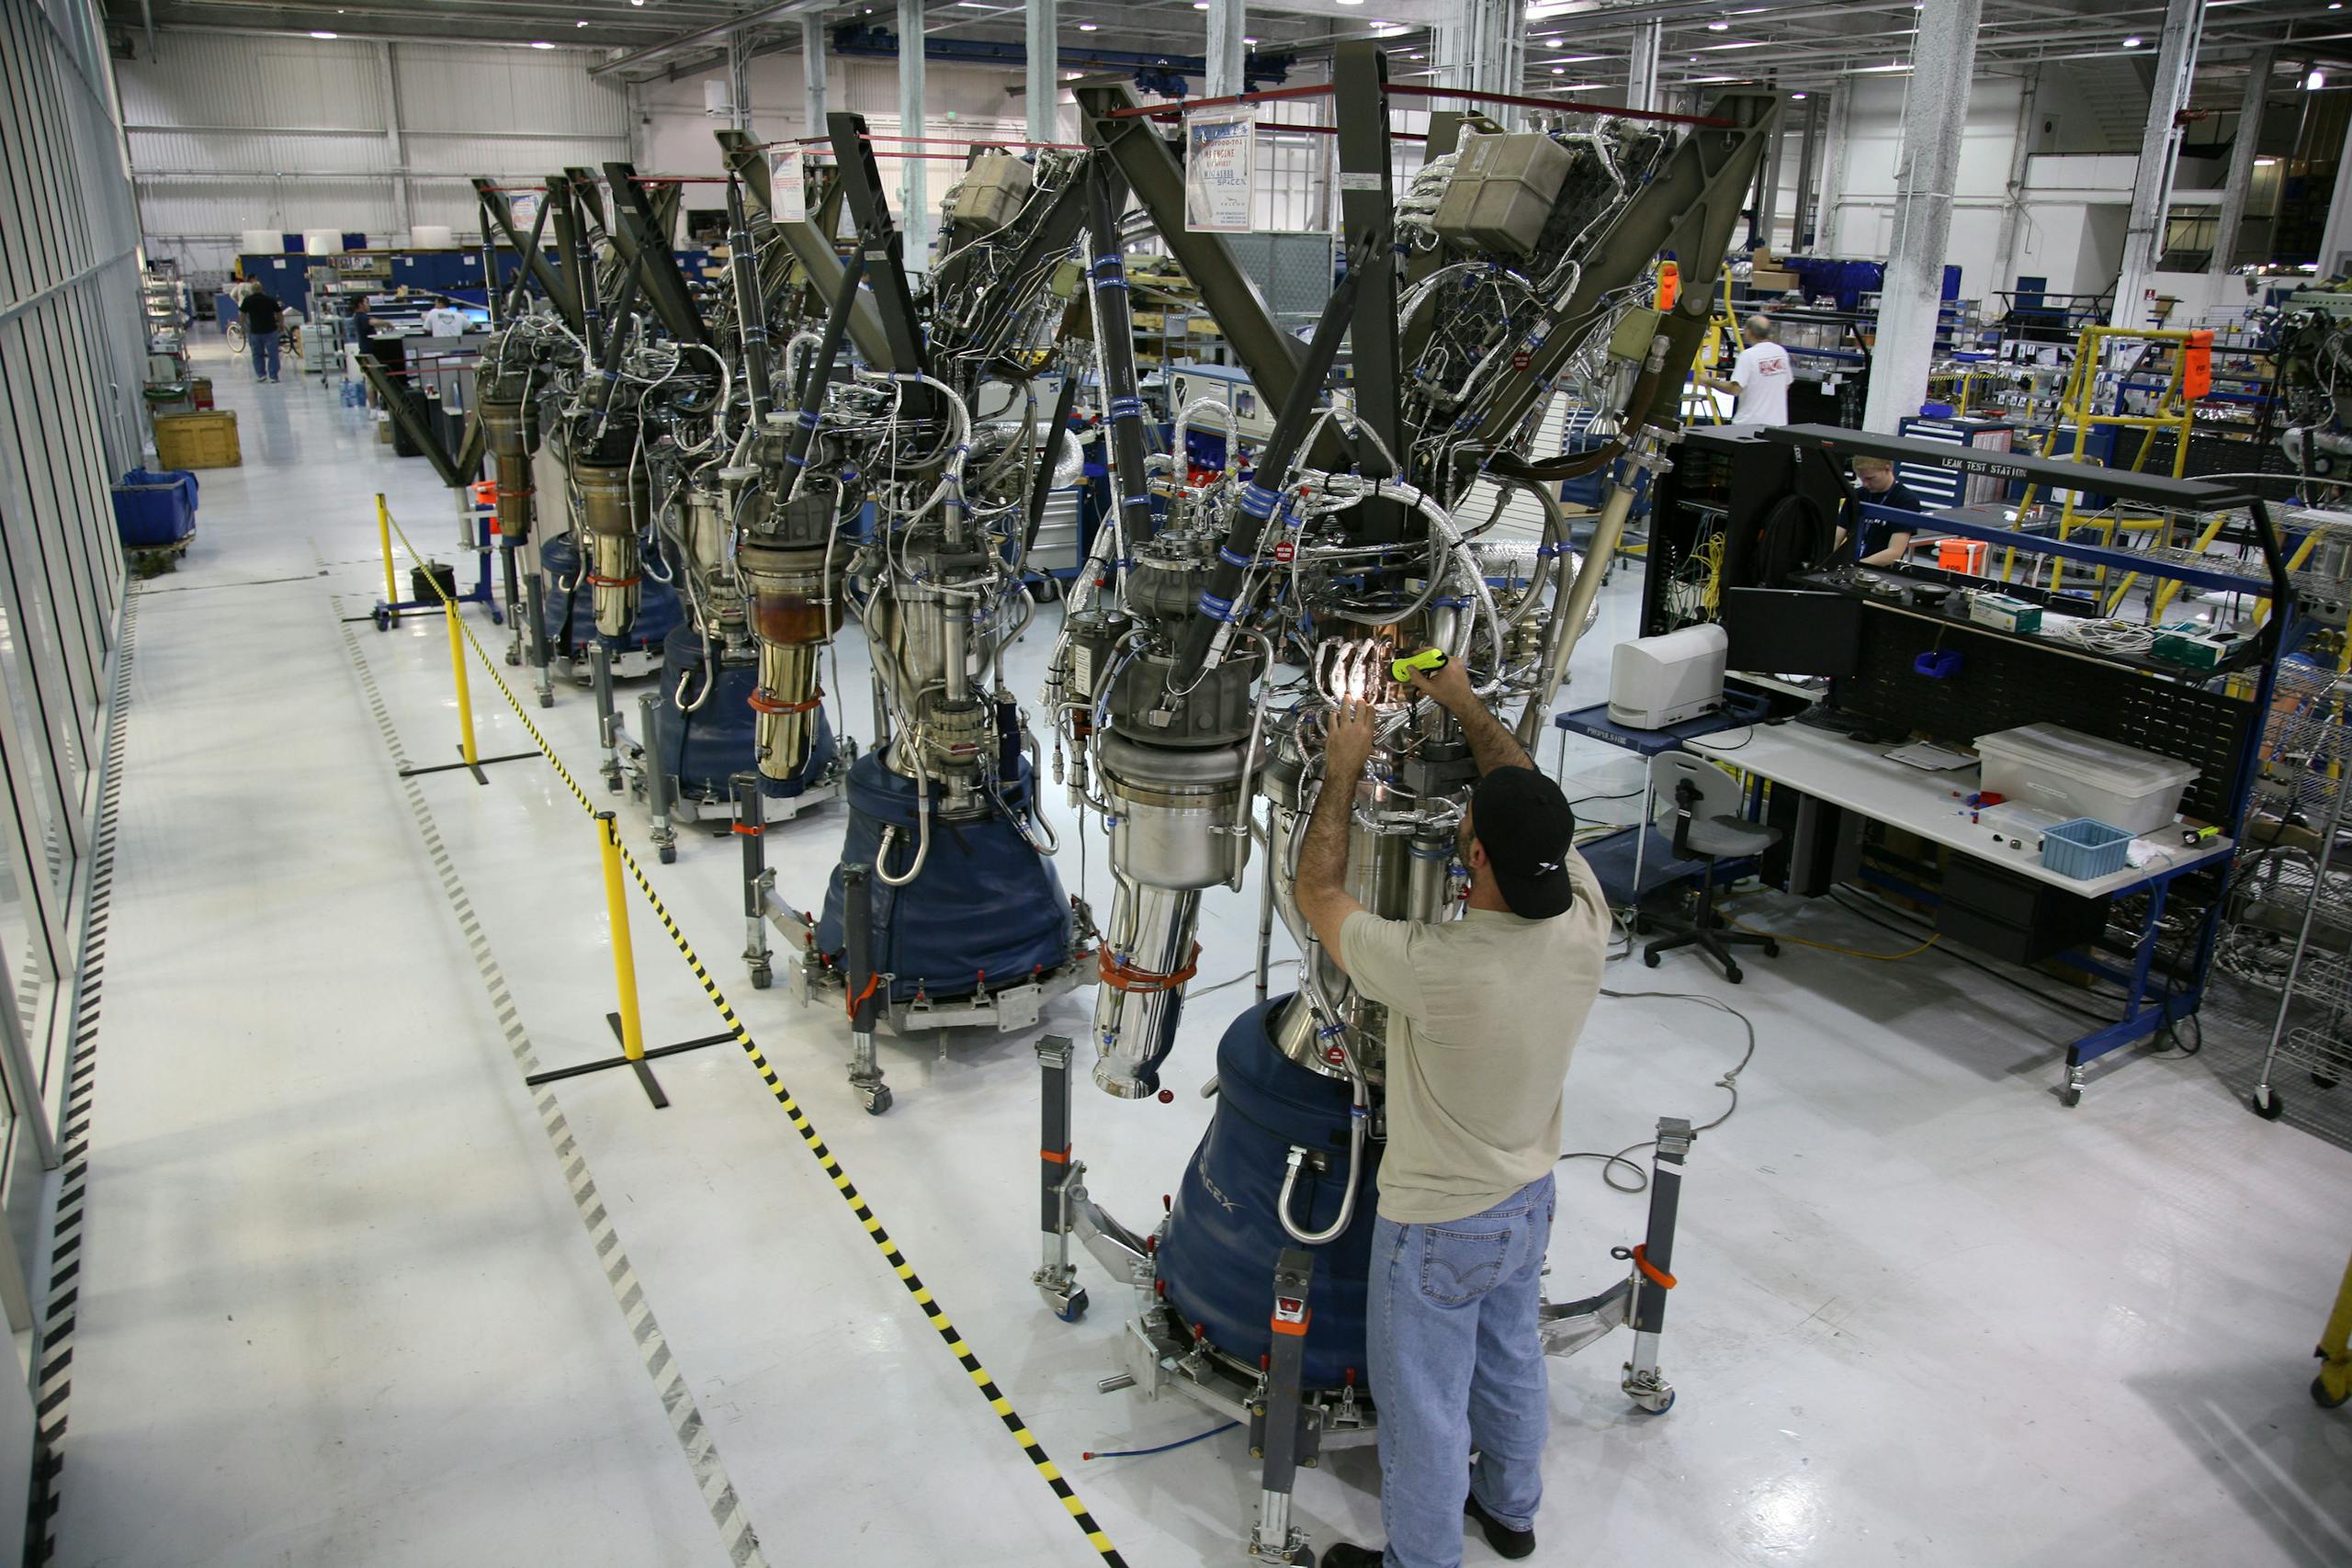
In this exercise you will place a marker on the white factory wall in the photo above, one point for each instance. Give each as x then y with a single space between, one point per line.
1863 221
230 131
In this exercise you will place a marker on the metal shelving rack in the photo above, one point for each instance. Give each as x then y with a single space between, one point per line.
2313 1028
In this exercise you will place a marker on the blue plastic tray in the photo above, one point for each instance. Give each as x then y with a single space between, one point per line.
2085 849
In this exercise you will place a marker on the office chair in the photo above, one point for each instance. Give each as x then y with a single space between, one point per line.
1700 803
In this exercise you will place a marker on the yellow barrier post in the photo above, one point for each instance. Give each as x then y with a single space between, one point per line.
2333 1384
630 1025
464 697
384 536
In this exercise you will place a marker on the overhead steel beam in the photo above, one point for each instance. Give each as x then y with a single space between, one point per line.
717 33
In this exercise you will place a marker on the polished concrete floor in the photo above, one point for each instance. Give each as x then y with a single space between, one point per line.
342 1304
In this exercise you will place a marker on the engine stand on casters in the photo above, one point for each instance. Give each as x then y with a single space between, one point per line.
1289 1426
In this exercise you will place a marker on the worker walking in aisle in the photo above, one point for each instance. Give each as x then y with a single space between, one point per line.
1483 1013
264 316
1878 542
1760 376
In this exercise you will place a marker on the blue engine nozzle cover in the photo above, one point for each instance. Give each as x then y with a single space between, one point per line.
988 910
571 622
1224 1230
706 748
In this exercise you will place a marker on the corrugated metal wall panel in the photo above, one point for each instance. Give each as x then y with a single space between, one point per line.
453 88
247 127
231 79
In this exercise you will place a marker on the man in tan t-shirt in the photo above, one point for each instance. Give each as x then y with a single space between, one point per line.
1483 1013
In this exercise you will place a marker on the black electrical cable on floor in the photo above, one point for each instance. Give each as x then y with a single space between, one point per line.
1164 1448
2009 980
1728 1083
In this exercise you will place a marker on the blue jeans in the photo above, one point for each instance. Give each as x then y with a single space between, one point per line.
1457 1364
264 352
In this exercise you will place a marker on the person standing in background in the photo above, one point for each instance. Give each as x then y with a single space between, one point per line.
1760 376
264 318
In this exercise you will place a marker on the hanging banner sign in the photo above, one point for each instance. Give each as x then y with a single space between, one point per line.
790 187
523 211
1220 170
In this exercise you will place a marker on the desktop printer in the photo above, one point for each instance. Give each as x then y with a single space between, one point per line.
1657 681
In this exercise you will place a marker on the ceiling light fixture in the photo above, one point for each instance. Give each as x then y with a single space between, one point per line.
1087 26
542 43
2314 82
1719 26
1559 70
1796 97
2131 42
2263 162
1249 41
579 24
322 35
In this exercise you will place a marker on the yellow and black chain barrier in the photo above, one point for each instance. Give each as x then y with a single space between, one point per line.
932 1311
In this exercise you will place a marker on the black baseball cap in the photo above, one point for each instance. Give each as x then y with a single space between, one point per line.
1526 827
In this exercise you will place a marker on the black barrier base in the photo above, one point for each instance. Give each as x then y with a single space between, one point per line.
644 1073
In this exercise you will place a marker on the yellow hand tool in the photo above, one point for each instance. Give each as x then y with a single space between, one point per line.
1430 659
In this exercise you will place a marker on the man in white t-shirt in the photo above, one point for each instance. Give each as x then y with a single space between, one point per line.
1760 376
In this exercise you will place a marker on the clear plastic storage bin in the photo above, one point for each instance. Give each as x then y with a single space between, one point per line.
2064 771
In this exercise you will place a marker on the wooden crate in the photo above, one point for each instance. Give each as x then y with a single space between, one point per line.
198 440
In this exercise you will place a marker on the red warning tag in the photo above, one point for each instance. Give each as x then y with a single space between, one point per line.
1522 360
1284 550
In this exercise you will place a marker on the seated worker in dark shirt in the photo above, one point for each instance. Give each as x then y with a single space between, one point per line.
1881 543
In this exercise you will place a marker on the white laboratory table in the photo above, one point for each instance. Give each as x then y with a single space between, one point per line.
1859 778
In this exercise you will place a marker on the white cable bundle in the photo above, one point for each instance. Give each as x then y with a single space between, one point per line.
2106 634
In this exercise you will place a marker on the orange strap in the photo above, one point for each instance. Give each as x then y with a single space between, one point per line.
873 983
1297 1329
1123 977
763 700
1058 1157
595 582
1651 1272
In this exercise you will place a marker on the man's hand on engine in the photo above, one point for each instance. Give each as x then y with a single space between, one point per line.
1449 683
1347 742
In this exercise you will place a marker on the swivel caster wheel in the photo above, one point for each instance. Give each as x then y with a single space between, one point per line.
513 657
383 620
1653 1405
547 699
877 1101
761 976
2267 1103
1649 959
1732 973
2321 1080
2325 1401
1075 1308
669 854
1772 950
2070 1097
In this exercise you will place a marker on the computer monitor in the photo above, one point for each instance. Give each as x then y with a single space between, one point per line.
1793 631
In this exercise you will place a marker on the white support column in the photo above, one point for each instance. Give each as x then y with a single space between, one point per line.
1934 114
2243 148
2144 240
1227 24
1768 203
1641 83
1043 74
1481 45
1833 137
2028 132
2335 239
914 190
1808 165
814 73
388 77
